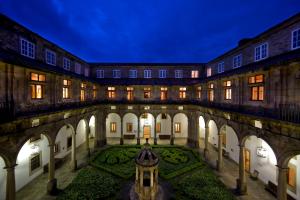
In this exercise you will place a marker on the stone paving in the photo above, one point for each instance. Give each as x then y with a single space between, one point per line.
36 190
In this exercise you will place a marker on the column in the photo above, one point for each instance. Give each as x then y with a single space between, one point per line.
122 134
151 178
138 141
282 183
241 182
73 155
10 183
141 178
220 153
155 135
172 134
206 151
136 173
52 182
87 141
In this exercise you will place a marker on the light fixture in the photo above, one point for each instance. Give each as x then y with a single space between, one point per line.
35 149
261 152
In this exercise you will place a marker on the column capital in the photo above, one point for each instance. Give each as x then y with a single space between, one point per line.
10 167
282 168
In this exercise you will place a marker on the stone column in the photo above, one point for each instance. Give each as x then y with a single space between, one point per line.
136 173
138 141
141 178
151 178
10 183
73 155
87 141
220 153
241 182
155 134
122 133
206 151
172 133
52 182
282 183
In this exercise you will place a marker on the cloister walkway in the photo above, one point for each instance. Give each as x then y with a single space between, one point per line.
36 190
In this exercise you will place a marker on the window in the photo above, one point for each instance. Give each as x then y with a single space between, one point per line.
27 48
50 57
69 142
177 127
227 89
66 89
261 52
56 148
164 116
66 64
132 73
35 162
163 93
37 85
221 67
211 92
82 91
94 92
162 73
237 61
182 92
111 92
296 39
199 90
116 73
257 87
194 74
113 127
86 71
147 93
224 139
291 177
129 127
129 93
158 127
77 68
178 74
208 71
147 73
100 73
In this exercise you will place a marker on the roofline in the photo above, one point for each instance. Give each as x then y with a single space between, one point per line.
145 64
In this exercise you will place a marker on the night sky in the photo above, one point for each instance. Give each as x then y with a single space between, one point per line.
148 30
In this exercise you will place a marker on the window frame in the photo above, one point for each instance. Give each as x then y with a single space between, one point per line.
292 39
178 73
129 127
177 127
66 63
227 89
130 93
260 51
147 90
162 73
257 85
66 89
147 73
27 49
77 68
32 171
52 55
195 73
163 93
132 73
111 92
99 73
113 127
222 69
182 92
116 73
239 61
208 71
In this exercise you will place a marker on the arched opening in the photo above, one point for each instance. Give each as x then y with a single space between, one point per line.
180 128
213 133
260 158
130 128
2 179
230 143
92 131
81 132
147 127
201 122
163 128
63 141
293 176
31 159
113 128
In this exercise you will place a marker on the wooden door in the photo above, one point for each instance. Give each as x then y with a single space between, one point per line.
147 132
247 160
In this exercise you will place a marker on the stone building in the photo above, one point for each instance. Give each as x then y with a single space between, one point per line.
244 103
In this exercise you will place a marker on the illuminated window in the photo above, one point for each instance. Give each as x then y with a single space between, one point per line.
182 92
162 73
147 93
50 57
208 71
221 67
132 73
35 162
199 90
261 51
37 85
211 94
82 91
291 177
27 48
66 64
177 127
178 74
66 89
147 73
116 73
296 39
100 73
227 89
158 127
129 93
129 127
257 87
113 127
77 68
195 74
94 91
111 92
163 93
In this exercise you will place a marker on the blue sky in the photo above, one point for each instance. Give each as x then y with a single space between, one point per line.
148 30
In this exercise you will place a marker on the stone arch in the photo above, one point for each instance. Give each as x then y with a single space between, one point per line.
3 163
81 131
213 132
164 126
230 141
91 125
181 118
202 122
130 132
63 140
113 127
149 121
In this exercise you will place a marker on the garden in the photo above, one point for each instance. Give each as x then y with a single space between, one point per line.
112 169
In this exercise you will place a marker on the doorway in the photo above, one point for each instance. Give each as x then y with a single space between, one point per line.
247 160
147 132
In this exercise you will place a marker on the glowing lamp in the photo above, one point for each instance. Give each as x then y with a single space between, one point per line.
261 152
